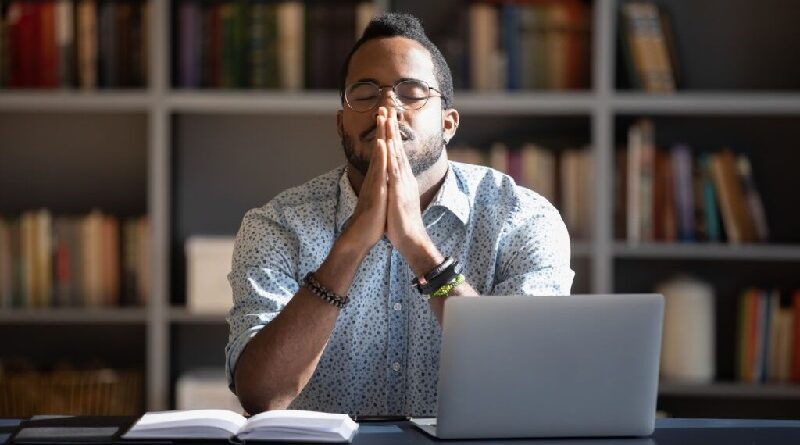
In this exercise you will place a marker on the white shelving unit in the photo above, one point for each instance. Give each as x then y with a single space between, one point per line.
166 108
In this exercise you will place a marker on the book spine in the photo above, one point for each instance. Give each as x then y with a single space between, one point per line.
752 198
483 45
684 193
48 49
123 51
145 12
795 360
271 47
65 37
228 49
189 44
291 44
107 45
6 265
635 143
257 52
510 29
647 181
87 43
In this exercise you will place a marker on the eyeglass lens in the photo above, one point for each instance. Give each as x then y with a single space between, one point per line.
365 95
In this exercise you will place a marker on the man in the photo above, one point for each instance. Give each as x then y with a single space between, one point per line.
325 316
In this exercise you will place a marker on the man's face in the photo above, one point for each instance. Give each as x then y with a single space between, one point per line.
384 61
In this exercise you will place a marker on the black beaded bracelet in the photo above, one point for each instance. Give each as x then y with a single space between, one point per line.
311 283
442 278
440 275
439 269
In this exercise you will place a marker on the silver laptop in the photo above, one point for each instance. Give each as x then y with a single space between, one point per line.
574 366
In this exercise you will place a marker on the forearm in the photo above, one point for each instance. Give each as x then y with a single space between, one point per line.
279 361
462 290
422 258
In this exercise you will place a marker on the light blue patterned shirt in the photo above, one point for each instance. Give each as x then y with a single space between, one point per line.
383 354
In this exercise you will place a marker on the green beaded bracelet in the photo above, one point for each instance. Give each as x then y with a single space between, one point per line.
445 289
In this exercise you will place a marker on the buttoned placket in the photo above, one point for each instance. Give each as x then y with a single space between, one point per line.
397 351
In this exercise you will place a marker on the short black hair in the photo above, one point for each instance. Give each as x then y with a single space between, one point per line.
395 24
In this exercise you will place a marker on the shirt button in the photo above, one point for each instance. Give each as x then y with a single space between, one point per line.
396 366
398 307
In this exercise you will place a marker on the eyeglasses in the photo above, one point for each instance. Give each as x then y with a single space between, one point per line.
410 94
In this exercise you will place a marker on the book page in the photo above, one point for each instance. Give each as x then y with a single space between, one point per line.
206 423
299 425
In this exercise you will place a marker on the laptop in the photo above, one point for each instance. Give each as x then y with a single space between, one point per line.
570 366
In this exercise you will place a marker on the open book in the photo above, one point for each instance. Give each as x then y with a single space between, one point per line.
283 425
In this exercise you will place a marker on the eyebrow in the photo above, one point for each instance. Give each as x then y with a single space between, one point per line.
375 81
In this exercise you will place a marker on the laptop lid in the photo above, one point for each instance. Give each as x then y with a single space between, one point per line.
569 366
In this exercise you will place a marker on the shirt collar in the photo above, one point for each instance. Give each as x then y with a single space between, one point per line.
451 196
346 203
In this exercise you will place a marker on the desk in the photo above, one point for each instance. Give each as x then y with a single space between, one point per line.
668 432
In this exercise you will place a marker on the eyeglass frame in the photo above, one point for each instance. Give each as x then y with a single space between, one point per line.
394 93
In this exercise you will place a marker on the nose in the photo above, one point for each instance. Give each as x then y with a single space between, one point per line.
389 99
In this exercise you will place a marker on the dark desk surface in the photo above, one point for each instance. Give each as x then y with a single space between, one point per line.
668 432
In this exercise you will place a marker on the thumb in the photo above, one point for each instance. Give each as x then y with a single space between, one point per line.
379 157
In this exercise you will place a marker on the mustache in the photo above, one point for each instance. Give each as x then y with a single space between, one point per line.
405 131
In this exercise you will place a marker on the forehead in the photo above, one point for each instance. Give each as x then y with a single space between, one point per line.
389 59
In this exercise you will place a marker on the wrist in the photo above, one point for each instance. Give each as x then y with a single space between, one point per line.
422 256
340 266
350 243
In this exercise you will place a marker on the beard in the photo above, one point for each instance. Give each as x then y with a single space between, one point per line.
430 150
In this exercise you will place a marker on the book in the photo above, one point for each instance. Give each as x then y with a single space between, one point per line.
208 261
282 425
794 373
65 41
55 429
484 72
683 189
205 388
189 44
736 221
710 207
291 41
641 173
752 198
87 44
646 47
538 170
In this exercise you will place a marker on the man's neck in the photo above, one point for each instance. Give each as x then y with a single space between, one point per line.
428 181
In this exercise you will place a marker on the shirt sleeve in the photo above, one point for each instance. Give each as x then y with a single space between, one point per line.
534 256
262 278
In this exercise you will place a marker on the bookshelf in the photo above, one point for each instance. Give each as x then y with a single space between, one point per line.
206 156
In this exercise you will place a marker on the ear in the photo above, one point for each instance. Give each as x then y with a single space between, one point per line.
339 123
450 120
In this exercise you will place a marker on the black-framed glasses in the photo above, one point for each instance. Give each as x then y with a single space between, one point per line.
410 94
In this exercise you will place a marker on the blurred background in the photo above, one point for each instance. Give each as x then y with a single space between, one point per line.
134 135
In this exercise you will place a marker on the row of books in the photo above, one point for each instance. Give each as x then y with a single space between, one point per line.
288 45
677 195
565 177
648 47
74 43
527 45
768 337
94 260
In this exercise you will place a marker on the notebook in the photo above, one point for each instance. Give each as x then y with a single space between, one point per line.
282 425
58 429
567 366
7 428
